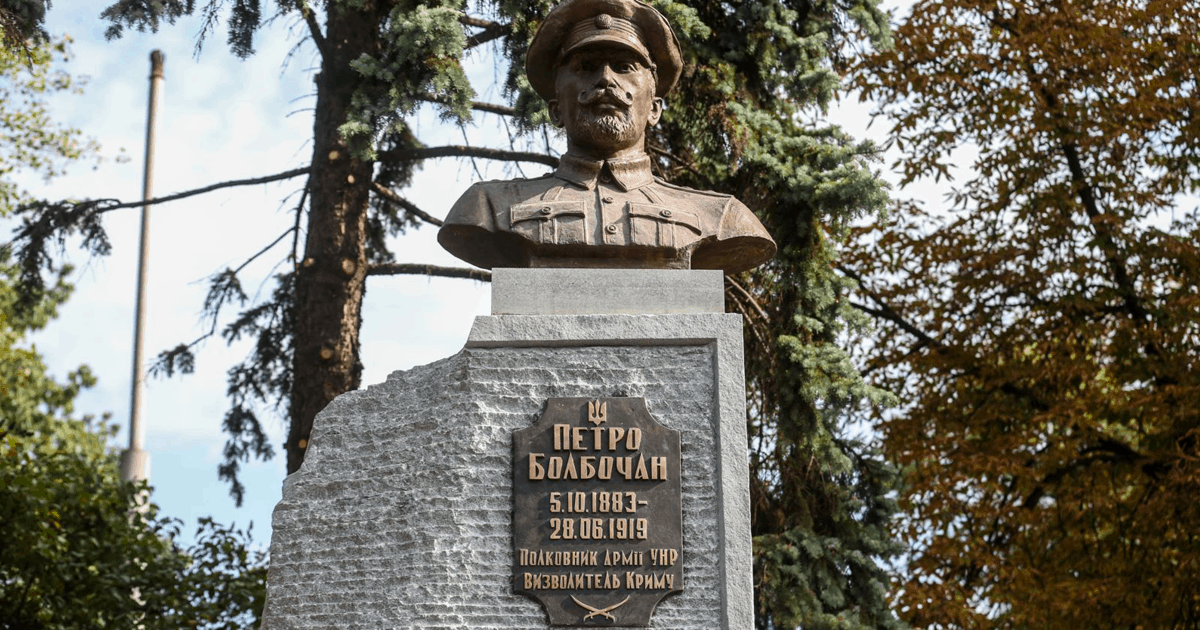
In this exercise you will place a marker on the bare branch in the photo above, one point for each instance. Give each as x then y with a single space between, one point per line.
749 298
491 108
467 20
491 30
423 153
885 311
967 361
395 269
115 204
676 159
224 287
408 206
486 36
314 29
264 250
296 226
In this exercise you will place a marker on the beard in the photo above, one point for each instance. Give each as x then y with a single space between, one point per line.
609 128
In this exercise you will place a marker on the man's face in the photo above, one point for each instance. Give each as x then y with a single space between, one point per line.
605 100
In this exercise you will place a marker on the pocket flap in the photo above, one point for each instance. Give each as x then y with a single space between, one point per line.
541 210
664 214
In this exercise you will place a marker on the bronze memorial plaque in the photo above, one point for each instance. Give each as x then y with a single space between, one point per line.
597 512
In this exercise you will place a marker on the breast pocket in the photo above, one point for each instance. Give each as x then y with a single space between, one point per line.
550 222
659 226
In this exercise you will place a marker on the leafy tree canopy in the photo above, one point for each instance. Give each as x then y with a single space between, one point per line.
31 142
1042 335
78 543
82 549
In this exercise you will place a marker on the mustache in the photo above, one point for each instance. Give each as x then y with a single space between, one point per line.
606 96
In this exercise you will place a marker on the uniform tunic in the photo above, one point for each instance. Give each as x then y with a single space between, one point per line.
612 213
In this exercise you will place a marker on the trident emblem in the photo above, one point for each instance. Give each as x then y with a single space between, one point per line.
597 412
600 612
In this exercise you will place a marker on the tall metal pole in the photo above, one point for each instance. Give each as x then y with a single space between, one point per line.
135 462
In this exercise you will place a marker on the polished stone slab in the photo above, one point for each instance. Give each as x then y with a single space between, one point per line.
606 291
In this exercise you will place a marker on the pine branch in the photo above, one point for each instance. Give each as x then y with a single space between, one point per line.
408 206
423 153
395 269
486 36
224 287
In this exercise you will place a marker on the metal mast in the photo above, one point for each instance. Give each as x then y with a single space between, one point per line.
135 462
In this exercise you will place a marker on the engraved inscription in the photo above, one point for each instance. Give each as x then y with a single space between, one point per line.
597 513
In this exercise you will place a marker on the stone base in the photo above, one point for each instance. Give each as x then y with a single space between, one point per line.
401 515
607 291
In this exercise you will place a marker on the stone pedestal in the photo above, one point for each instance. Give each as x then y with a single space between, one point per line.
401 516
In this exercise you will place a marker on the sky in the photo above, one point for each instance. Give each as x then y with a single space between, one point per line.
219 119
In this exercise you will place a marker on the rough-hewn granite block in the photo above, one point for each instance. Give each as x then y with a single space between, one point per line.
401 514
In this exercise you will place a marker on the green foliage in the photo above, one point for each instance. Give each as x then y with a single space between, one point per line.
225 583
31 401
422 62
1043 334
78 547
31 142
29 139
21 25
72 556
84 550
78 542
821 500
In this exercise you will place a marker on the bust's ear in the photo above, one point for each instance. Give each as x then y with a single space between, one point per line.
556 117
656 110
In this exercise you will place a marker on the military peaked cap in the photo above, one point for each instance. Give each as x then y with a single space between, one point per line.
577 23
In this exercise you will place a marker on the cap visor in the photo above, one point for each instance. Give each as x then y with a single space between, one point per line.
609 38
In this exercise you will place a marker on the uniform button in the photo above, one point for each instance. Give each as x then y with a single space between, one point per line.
605 177
611 229
546 210
666 213
609 200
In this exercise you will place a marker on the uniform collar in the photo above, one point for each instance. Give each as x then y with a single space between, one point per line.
628 173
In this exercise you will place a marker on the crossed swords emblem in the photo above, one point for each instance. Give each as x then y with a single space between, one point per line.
600 612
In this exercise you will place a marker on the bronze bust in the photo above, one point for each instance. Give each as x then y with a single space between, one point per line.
603 67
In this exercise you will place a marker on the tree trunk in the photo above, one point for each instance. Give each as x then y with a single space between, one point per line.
331 277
